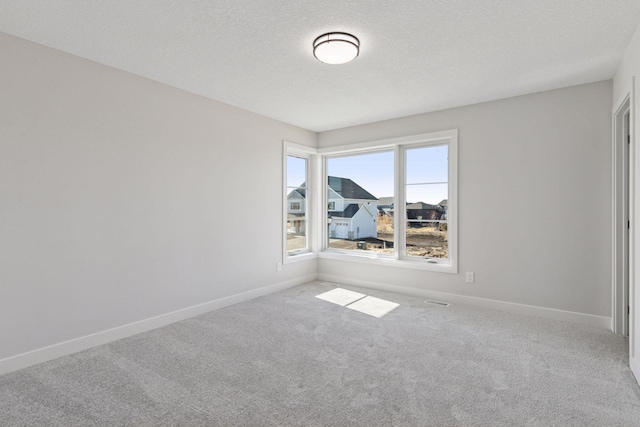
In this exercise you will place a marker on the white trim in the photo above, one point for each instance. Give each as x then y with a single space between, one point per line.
621 152
431 137
614 222
20 361
452 203
398 237
632 235
385 260
301 256
295 148
316 203
635 368
600 322
621 100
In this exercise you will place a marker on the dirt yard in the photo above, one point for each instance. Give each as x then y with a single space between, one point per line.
421 241
295 242
426 242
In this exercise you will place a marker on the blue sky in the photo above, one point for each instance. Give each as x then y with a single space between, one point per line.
426 167
295 171
373 172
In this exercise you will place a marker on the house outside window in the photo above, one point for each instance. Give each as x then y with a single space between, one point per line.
296 227
354 226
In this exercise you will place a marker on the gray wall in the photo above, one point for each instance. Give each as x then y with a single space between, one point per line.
534 199
123 199
629 67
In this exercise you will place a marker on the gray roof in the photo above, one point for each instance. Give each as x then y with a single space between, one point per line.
349 212
349 189
445 202
344 187
302 190
298 193
388 201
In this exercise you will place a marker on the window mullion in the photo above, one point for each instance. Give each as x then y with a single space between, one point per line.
324 217
398 217
306 204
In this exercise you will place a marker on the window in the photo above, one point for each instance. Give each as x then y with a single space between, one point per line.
297 213
354 184
426 195
416 227
296 239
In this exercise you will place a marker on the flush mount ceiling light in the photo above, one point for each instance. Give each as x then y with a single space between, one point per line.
336 48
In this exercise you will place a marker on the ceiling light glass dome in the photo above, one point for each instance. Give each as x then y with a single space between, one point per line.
336 48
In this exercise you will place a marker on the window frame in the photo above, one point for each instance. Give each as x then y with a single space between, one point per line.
400 147
325 191
308 205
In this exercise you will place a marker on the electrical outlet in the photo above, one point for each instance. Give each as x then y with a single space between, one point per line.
278 266
471 277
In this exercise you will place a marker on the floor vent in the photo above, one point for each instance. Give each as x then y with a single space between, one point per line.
443 304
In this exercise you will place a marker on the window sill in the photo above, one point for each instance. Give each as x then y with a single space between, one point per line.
368 258
303 256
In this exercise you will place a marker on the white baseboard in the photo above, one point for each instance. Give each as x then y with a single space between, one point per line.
634 364
20 361
549 313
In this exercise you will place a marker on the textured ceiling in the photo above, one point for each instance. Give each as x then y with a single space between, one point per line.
416 56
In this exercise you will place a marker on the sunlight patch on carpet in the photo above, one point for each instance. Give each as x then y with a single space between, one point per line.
372 306
341 296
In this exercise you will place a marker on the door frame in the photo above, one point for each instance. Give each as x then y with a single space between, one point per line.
623 174
634 326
